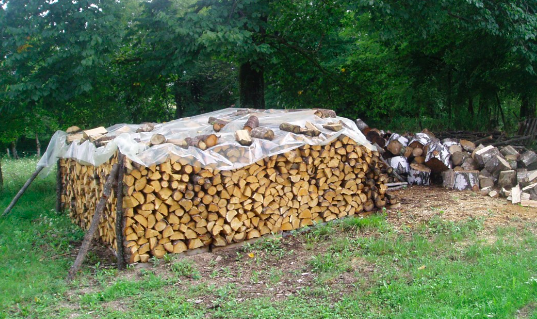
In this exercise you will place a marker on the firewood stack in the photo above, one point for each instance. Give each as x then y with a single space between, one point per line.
509 171
82 187
180 204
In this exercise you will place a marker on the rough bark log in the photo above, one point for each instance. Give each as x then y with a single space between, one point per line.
419 174
461 180
288 127
263 133
324 113
146 127
251 123
437 158
94 223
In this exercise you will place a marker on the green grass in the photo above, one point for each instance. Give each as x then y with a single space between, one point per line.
34 241
360 268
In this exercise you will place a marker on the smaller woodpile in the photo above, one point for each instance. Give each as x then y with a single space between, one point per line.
509 170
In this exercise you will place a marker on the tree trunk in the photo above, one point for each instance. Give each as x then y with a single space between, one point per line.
1 177
179 100
14 150
527 107
471 106
251 86
38 145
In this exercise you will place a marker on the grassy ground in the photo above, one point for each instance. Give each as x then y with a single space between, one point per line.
355 268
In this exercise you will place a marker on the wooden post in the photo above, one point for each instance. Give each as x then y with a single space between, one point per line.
94 223
59 187
23 189
119 213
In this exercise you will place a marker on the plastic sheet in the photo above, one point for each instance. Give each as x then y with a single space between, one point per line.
135 146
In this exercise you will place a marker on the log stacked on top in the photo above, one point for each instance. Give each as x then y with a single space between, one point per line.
174 206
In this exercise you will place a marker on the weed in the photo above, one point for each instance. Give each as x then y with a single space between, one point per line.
185 268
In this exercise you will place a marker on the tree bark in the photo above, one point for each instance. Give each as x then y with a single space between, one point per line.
14 150
119 214
38 145
528 106
179 100
251 86
1 177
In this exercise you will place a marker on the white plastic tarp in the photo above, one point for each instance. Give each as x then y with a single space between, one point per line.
136 147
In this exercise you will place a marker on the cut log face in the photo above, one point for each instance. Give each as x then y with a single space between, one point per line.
482 156
419 174
461 180
507 179
485 182
529 159
173 206
157 139
243 137
466 145
457 158
469 164
509 150
146 127
73 129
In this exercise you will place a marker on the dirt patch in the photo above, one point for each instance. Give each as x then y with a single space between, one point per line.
419 204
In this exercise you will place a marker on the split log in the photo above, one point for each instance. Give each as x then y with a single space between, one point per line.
361 125
509 150
529 159
73 130
333 127
483 155
311 130
243 137
507 179
94 134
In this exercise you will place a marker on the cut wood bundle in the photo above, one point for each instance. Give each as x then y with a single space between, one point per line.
174 206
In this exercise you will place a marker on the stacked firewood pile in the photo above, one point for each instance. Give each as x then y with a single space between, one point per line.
179 204
509 171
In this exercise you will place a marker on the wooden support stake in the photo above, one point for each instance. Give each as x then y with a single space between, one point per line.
119 214
59 187
94 223
22 190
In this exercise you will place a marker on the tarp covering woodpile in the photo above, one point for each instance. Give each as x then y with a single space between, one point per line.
218 178
133 142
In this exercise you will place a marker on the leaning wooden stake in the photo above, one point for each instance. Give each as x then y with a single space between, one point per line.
59 187
23 189
119 213
94 223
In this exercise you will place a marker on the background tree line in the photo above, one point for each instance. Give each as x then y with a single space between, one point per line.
401 64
